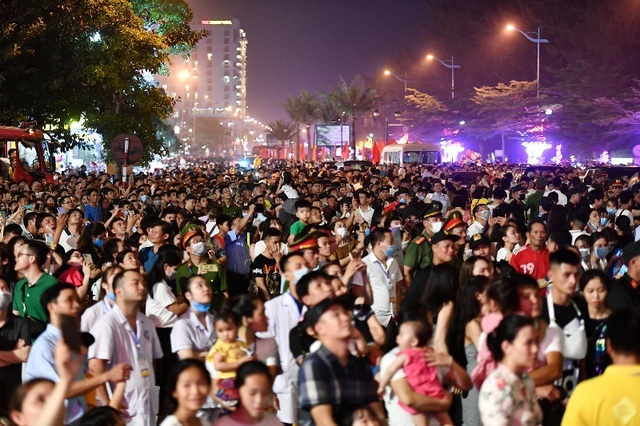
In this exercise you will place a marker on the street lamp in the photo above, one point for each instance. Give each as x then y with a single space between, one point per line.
537 40
404 80
452 66
397 114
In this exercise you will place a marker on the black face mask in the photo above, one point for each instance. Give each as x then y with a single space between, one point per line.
521 197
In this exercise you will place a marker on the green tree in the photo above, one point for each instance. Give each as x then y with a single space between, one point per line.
283 131
63 60
356 100
302 109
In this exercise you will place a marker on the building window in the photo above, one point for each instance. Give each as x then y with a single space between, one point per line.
226 88
226 33
226 59
226 49
226 79
226 96
209 56
226 40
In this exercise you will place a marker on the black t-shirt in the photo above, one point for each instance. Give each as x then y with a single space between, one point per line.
565 314
263 267
14 329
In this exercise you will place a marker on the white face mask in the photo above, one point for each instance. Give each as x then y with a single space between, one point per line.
436 227
485 214
297 275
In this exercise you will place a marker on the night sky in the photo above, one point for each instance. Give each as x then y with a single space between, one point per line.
297 45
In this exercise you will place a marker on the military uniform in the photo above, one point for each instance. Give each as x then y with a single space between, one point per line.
216 278
419 253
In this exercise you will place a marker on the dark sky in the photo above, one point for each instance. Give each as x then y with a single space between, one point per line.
297 45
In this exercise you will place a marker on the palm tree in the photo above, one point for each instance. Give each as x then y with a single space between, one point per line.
282 131
302 109
355 100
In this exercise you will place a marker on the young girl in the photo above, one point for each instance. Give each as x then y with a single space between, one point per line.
226 355
189 385
412 340
254 385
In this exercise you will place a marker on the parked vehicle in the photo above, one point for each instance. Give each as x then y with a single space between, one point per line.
26 154
411 153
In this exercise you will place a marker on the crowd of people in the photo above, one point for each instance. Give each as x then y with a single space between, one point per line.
307 294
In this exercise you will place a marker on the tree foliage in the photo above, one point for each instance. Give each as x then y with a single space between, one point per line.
63 60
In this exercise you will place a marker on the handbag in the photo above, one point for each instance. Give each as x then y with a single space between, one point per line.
575 341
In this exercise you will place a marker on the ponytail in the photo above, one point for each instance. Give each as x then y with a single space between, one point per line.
507 330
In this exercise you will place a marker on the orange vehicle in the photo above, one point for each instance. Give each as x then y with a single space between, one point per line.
27 155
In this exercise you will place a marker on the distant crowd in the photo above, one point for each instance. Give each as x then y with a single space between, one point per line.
303 293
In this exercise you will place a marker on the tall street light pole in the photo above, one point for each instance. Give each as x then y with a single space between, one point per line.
452 66
404 80
536 40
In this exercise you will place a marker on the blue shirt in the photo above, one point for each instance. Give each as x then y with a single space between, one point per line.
148 258
238 258
93 213
41 364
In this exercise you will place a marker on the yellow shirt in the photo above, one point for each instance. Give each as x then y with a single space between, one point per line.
231 352
610 399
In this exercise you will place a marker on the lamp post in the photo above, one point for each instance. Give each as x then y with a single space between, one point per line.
404 80
537 40
452 66
397 114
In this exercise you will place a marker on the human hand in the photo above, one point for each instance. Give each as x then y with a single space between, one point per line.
62 220
436 359
86 269
119 373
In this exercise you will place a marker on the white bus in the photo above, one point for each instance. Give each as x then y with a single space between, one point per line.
411 153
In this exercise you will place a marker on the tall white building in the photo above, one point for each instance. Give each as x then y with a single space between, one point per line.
213 81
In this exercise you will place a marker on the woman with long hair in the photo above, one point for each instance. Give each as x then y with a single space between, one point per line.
508 396
475 266
508 239
438 299
464 336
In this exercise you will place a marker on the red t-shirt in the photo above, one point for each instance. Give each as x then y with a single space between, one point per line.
530 262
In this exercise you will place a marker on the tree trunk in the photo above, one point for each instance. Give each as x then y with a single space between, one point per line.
297 155
352 142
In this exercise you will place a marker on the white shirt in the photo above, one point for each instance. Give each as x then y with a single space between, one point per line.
475 228
575 233
444 199
174 421
283 315
367 215
93 314
156 306
562 199
115 344
189 333
383 278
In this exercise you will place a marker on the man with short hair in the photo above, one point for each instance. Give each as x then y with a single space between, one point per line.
419 254
62 299
384 276
333 383
124 335
92 211
533 259
566 311
158 234
26 298
481 213
238 258
614 397
284 313
441 197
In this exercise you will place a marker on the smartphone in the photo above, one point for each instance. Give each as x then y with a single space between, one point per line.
28 206
61 210
70 332
87 258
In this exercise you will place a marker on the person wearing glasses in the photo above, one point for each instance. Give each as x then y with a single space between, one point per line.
30 261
